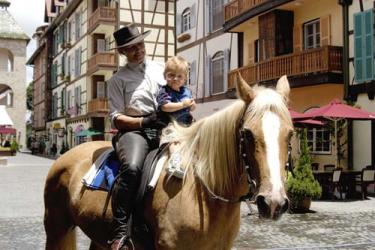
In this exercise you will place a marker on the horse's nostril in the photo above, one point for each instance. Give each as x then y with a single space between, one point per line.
263 207
285 206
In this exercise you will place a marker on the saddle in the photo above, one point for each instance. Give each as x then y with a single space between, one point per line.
102 176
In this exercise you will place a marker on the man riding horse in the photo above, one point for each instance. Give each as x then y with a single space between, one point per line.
132 92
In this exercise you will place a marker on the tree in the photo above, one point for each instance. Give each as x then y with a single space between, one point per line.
29 96
302 183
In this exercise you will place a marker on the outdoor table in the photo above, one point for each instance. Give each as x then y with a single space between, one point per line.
348 180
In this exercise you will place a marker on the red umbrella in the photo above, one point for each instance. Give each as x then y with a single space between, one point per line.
298 119
337 110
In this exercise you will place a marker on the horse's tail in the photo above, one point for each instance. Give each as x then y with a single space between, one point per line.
58 221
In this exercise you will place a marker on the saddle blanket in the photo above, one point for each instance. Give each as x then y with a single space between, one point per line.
104 170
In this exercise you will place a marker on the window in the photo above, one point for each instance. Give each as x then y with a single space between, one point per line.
6 60
218 73
217 14
101 89
186 18
78 25
311 34
364 51
319 140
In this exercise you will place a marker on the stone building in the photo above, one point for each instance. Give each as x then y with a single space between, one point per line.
13 42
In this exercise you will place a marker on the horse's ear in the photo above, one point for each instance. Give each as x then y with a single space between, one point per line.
244 91
283 88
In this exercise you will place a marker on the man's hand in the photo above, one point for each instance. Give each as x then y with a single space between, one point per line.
155 121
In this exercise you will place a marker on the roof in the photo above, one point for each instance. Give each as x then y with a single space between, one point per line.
9 28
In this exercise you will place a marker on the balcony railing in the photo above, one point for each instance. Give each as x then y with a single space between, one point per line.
319 60
101 15
98 105
237 7
101 60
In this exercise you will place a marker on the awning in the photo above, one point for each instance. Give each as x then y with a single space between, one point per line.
89 132
4 130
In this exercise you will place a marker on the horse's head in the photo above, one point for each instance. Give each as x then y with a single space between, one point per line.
267 130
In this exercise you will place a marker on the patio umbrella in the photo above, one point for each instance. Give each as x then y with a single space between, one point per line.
300 121
89 132
335 111
4 130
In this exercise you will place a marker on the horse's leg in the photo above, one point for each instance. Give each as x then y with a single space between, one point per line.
58 223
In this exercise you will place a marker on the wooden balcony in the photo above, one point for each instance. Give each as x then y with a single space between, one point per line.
102 15
98 106
327 59
101 60
237 7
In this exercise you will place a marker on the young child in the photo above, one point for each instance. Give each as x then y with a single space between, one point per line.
176 100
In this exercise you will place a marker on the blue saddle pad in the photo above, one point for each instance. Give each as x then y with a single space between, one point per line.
106 173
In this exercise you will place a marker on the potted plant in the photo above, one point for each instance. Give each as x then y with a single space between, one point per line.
301 185
14 147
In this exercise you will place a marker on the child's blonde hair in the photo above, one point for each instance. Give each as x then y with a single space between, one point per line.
176 64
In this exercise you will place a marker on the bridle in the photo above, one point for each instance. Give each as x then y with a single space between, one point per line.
243 148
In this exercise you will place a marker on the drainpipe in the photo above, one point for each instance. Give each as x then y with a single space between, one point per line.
345 70
345 54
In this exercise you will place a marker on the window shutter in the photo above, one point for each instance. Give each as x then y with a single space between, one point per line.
100 45
297 38
178 24
325 30
193 15
68 98
208 76
100 88
72 66
193 74
208 17
226 69
251 50
358 53
368 39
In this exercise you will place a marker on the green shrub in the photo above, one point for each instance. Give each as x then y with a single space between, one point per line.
303 184
14 146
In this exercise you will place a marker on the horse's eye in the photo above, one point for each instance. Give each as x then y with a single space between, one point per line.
248 134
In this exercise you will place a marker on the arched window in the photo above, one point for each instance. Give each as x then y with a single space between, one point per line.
218 73
186 20
6 60
6 95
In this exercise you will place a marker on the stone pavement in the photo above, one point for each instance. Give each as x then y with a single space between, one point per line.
334 225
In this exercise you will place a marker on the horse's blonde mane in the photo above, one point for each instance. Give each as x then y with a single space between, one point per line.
210 145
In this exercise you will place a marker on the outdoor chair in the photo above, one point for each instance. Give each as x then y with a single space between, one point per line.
367 178
329 167
336 183
315 166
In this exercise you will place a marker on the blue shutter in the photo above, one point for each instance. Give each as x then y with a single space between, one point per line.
358 52
368 21
226 68
178 24
208 76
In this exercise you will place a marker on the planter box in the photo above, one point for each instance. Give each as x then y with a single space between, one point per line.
5 153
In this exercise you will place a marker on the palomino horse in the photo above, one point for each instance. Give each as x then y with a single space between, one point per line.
198 212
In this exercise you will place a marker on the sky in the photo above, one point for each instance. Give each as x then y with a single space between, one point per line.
29 14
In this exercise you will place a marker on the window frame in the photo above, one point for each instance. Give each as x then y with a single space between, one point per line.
315 34
186 20
312 143
218 57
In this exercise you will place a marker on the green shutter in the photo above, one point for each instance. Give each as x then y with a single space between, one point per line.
358 55
368 18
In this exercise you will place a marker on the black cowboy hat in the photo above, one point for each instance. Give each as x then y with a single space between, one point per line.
128 35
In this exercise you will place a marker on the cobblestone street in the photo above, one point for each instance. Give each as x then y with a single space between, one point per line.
334 225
